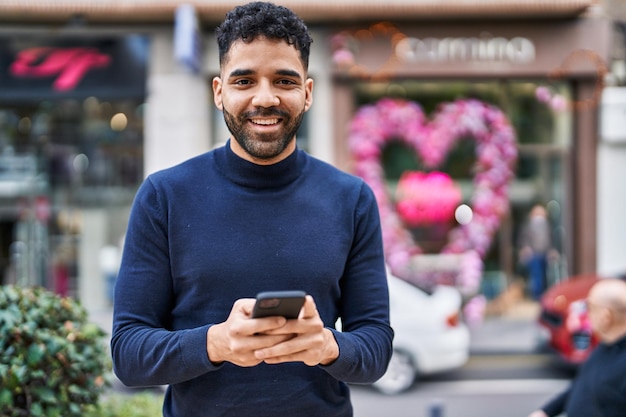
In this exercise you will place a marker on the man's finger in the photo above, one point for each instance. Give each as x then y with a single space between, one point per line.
309 309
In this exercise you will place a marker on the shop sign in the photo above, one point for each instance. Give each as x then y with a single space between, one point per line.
518 50
384 50
36 68
66 66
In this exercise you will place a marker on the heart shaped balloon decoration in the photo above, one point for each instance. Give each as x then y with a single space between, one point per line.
374 126
427 198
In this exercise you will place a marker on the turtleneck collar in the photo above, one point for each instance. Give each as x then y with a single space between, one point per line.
249 174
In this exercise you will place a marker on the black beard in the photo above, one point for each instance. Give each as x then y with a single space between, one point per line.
263 147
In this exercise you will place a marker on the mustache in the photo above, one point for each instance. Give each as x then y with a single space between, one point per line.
265 112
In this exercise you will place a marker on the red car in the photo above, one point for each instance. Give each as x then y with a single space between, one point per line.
564 316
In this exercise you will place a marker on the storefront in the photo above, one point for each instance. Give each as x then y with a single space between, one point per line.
541 65
545 76
71 145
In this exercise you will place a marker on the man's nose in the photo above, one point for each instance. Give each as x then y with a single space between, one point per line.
265 96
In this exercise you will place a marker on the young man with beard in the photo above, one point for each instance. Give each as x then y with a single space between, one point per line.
257 214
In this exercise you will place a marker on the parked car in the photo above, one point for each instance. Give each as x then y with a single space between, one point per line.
430 335
564 318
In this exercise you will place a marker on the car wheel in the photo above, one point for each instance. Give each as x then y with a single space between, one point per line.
399 376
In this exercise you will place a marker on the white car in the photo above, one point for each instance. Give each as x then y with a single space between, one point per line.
430 336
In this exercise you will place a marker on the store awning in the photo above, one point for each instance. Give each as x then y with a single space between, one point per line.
211 11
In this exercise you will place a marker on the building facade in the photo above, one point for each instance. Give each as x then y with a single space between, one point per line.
95 98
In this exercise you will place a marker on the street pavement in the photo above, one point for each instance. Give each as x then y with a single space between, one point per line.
514 331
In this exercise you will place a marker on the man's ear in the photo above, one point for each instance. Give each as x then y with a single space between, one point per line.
217 92
308 89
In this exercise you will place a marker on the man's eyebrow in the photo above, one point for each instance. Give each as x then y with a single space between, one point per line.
289 73
283 72
240 72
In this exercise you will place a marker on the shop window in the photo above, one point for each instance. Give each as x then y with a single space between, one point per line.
81 143
82 154
543 140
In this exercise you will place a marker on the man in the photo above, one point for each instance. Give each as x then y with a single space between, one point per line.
599 389
258 214
536 251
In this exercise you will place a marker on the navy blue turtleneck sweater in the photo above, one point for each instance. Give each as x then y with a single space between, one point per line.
217 228
599 388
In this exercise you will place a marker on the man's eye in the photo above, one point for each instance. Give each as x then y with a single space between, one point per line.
242 82
286 82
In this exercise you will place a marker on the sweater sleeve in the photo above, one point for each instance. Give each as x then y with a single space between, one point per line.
365 340
556 405
144 351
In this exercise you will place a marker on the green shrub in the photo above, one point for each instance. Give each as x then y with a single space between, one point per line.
53 362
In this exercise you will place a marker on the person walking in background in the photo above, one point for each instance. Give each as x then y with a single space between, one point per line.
257 214
536 249
599 388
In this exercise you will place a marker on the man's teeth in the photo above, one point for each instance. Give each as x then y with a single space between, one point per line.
265 122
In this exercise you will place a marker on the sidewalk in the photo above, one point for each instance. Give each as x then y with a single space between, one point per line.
514 331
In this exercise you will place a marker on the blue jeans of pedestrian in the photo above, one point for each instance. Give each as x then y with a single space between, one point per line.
537 267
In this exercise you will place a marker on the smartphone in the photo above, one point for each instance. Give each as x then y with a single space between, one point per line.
278 303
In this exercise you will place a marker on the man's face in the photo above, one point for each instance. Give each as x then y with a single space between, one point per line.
597 308
263 91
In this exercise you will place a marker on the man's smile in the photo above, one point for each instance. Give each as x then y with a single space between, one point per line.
265 122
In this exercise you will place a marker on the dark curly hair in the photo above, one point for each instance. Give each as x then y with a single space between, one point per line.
263 19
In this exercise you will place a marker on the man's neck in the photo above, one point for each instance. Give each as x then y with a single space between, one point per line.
615 334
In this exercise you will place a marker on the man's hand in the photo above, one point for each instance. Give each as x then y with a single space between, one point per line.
245 341
538 413
239 338
305 340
